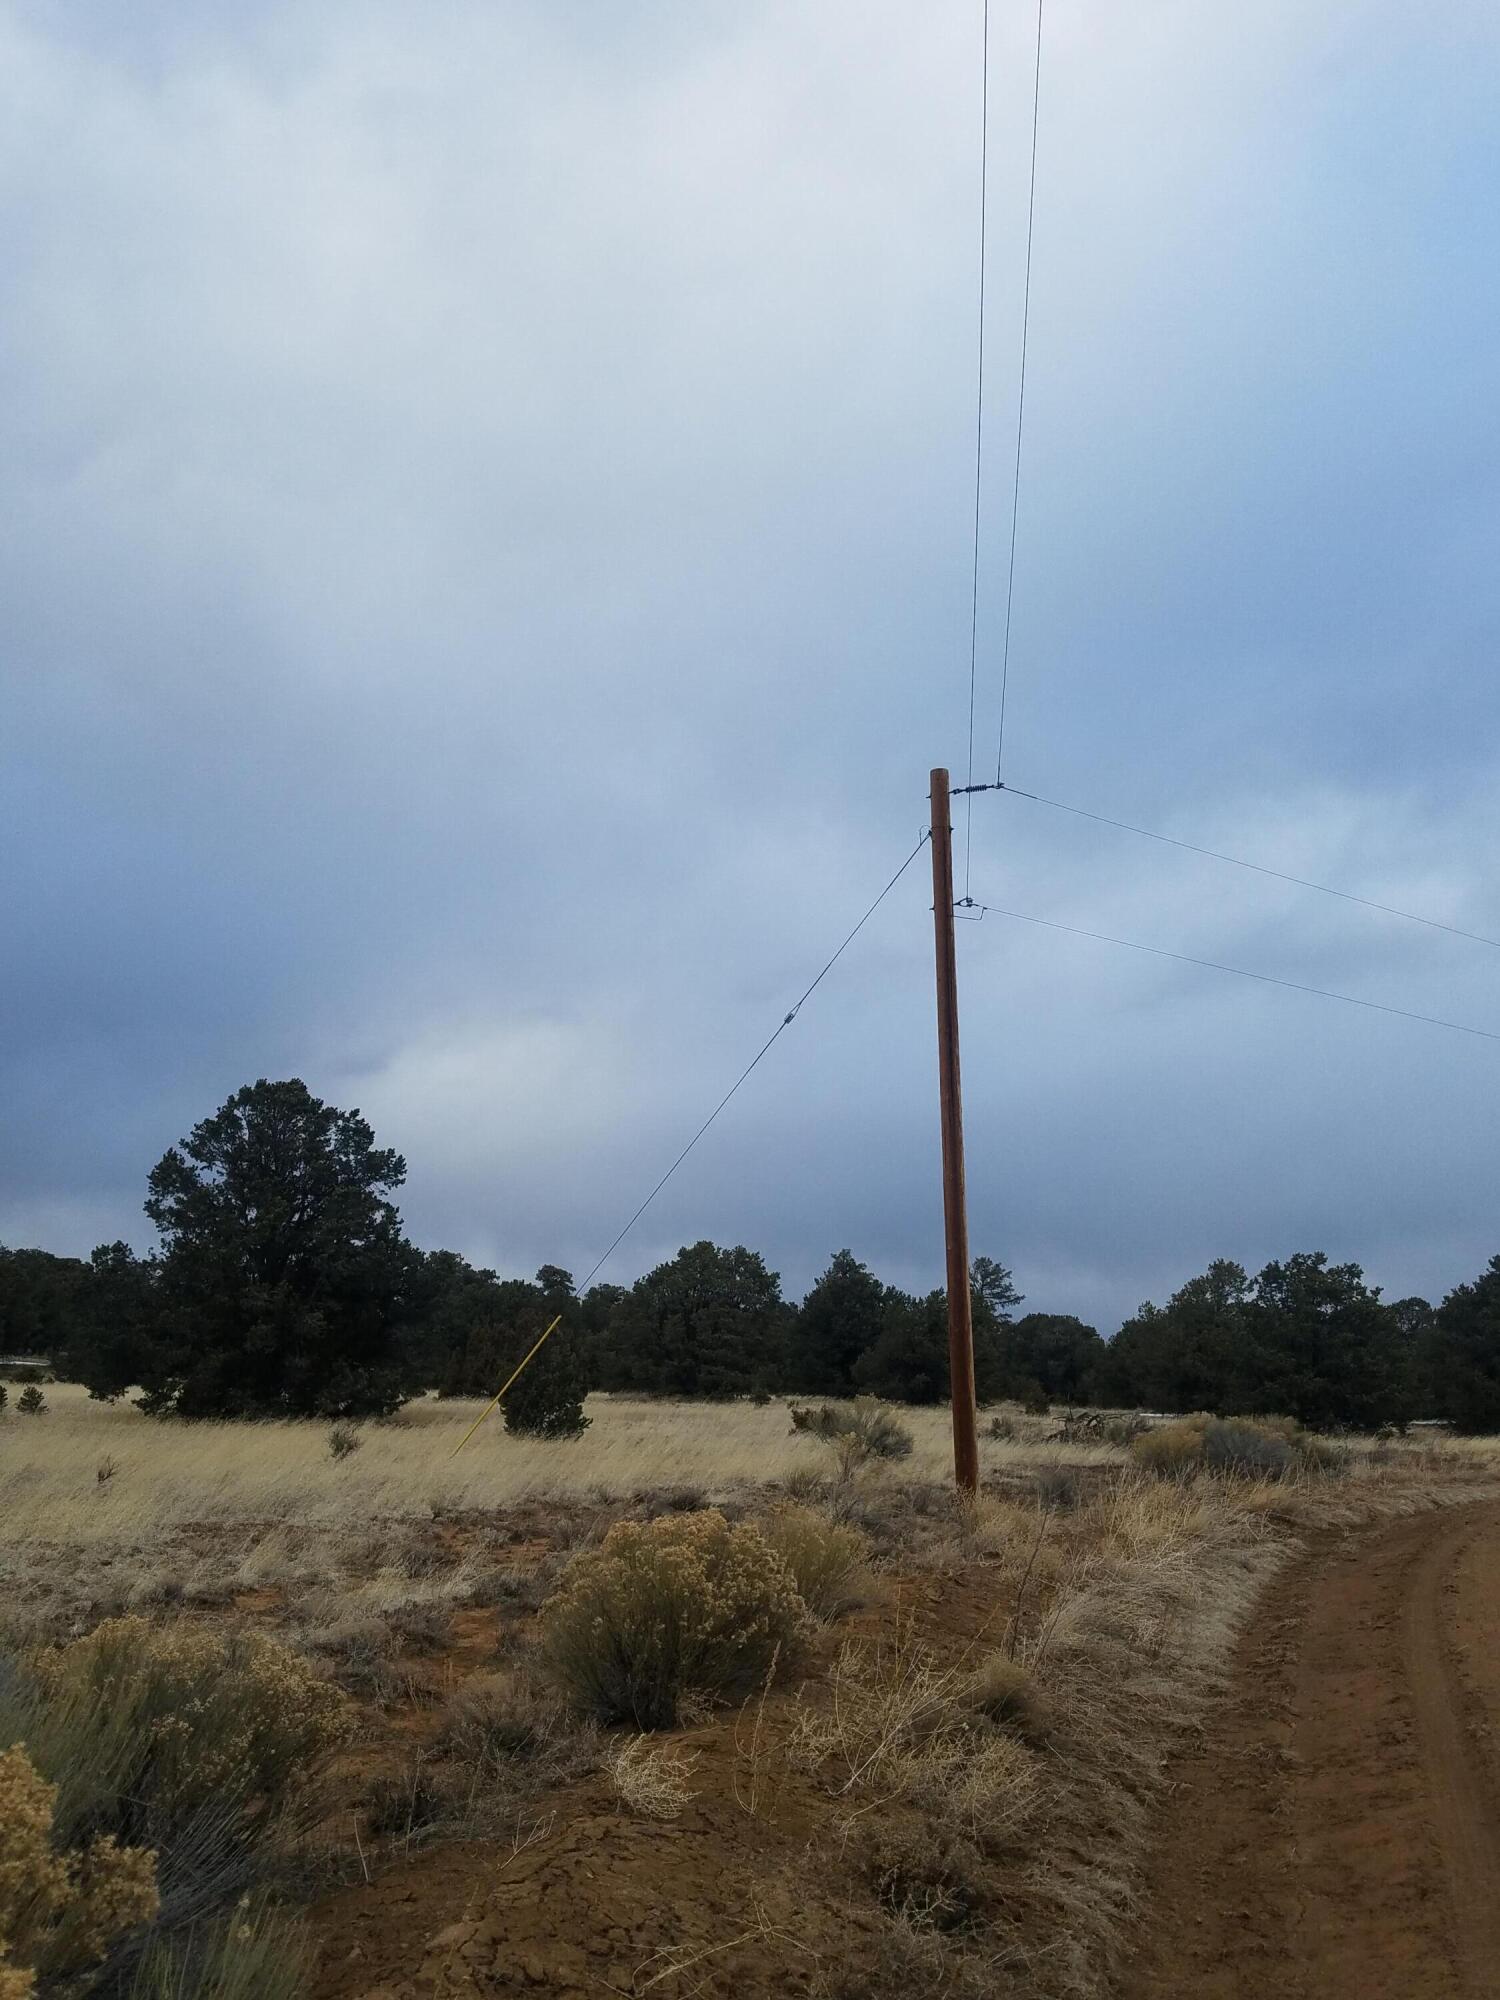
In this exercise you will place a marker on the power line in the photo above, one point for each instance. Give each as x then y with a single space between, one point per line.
1258 868
1212 965
754 1062
984 183
1015 497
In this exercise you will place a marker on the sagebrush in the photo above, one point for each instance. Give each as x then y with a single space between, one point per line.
1232 1447
858 1432
684 1604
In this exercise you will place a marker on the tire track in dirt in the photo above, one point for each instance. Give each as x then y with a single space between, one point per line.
1337 1832
1449 1686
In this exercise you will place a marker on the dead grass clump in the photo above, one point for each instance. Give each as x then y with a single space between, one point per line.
60 1911
412 1802
654 1502
652 1778
828 1561
896 1724
1060 1488
1005 1691
359 1648
925 1875
682 1604
522 1587
499 1722
421 1627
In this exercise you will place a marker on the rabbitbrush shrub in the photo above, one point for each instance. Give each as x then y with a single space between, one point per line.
145 1727
663 1608
59 1911
827 1561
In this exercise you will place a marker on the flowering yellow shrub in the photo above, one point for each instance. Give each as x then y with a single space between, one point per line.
59 1912
664 1608
178 1715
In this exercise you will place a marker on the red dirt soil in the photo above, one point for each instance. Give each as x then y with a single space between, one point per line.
1337 1834
587 1900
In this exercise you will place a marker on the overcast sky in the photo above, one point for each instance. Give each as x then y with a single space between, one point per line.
487 492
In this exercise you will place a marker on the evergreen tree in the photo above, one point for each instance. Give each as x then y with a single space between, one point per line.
908 1362
839 1319
546 1400
1307 1339
284 1285
1324 1349
1055 1354
454 1299
115 1322
1464 1354
40 1298
709 1323
1191 1354
482 1323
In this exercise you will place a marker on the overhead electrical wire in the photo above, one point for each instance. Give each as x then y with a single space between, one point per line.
984 183
1256 867
754 1062
1015 496
1239 971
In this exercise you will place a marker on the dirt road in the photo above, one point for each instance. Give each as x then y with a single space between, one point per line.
1337 1833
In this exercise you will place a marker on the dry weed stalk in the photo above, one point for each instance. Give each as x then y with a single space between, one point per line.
651 1778
756 1757
672 1961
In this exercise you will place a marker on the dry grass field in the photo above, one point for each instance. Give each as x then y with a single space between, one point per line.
943 1780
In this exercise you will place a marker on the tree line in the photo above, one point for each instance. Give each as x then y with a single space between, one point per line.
283 1285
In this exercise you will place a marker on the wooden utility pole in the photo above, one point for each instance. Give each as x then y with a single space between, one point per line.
955 1201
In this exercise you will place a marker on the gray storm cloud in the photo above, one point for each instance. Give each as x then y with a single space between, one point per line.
486 575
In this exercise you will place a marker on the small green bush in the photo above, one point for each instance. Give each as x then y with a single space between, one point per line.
31 1402
343 1441
858 1431
1247 1451
685 1604
1232 1447
827 1561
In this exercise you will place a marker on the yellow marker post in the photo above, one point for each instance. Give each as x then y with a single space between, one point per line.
511 1378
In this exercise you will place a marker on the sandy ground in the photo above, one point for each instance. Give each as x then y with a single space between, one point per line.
1338 1832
